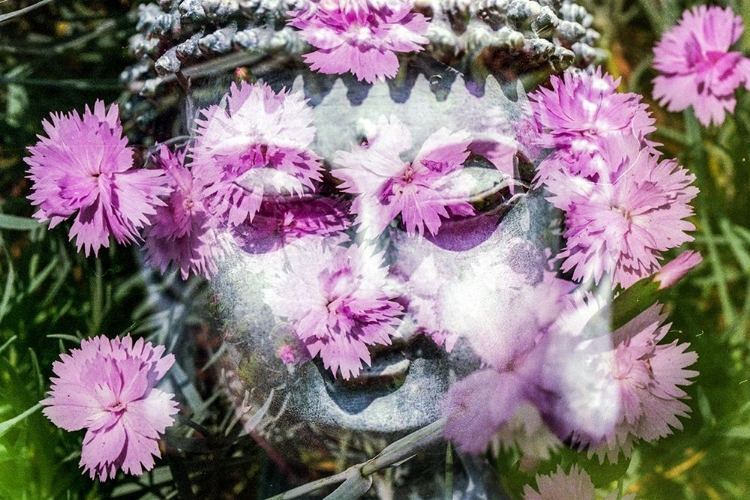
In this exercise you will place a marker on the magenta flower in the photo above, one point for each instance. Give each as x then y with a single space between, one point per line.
107 388
84 168
420 190
697 68
258 143
183 231
338 301
561 486
360 36
578 115
620 228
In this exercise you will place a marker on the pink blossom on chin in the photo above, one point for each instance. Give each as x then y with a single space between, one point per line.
578 115
183 231
360 36
575 485
257 143
338 301
697 68
620 228
477 406
84 169
387 185
107 388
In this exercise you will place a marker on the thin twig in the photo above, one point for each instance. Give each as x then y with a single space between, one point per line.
20 12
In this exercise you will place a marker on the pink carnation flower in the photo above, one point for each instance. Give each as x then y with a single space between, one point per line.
633 388
420 190
621 227
360 36
338 301
578 115
561 486
84 168
107 388
258 143
697 68
183 231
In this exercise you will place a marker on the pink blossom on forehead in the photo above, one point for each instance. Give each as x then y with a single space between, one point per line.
338 301
257 143
84 169
183 231
361 36
386 185
697 68
108 388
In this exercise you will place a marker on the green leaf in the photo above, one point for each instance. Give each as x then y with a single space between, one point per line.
16 223
8 424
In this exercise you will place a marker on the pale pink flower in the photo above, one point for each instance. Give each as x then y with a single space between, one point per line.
108 388
579 115
338 302
575 485
360 36
257 143
620 228
697 68
84 169
387 185
617 388
183 231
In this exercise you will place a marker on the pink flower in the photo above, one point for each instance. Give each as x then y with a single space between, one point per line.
633 388
360 36
84 168
258 143
338 301
107 387
561 486
620 228
697 69
183 231
420 190
578 115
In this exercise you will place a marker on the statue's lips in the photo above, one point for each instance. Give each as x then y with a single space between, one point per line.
402 389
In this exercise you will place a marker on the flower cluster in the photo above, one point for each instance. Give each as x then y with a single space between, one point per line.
623 205
108 388
696 66
360 36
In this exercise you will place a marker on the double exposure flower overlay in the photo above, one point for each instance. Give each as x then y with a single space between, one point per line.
367 241
108 388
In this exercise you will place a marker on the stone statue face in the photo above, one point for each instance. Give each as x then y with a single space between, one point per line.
305 266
